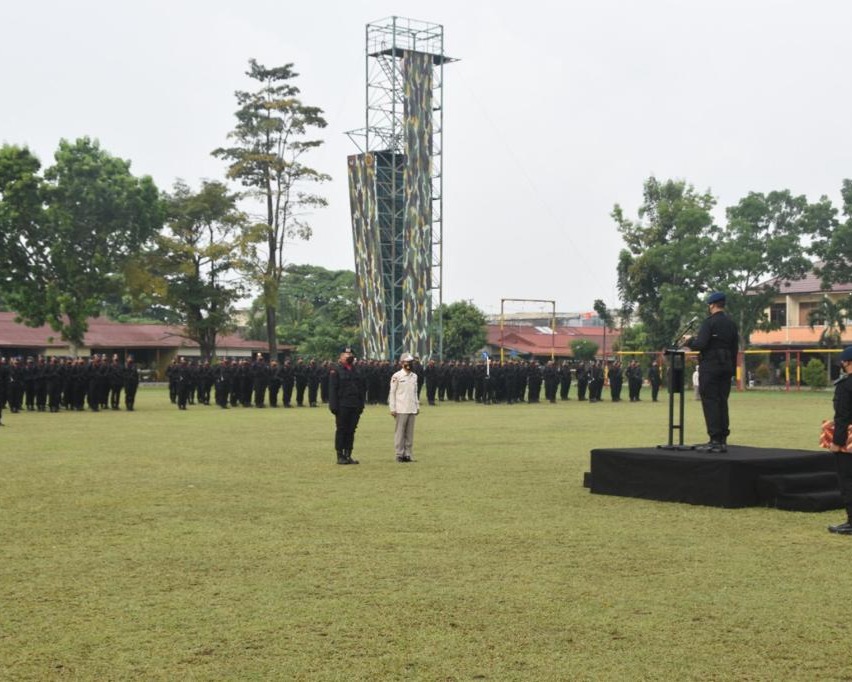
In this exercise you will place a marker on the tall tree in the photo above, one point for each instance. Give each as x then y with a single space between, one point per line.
666 263
464 329
760 249
21 216
192 270
606 317
73 232
833 242
270 142
831 316
317 311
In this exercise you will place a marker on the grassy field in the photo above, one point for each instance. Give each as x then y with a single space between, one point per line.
208 545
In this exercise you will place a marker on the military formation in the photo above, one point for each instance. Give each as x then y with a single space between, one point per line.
40 384
98 383
258 383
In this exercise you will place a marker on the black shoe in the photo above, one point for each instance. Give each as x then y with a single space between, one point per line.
349 460
712 446
842 529
403 458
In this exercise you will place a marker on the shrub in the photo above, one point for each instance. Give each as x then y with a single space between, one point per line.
763 373
814 375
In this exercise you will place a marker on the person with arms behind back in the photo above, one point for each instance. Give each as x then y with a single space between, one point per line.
842 419
346 391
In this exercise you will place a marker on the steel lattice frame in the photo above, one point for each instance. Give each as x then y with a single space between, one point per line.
402 55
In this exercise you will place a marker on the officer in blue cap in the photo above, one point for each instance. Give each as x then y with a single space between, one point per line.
842 419
718 343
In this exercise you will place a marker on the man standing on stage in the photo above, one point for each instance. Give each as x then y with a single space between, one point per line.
718 343
346 389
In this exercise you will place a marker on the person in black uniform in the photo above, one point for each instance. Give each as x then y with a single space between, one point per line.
842 419
260 378
430 375
4 384
40 384
582 380
184 382
346 390
287 382
551 381
301 373
634 380
313 382
718 343
565 381
131 383
616 380
655 378
596 381
53 374
115 382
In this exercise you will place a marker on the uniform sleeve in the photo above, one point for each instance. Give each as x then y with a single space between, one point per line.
333 380
394 382
702 339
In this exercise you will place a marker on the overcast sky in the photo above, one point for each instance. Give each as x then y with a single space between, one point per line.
555 111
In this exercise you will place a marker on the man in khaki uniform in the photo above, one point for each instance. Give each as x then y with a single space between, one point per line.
404 406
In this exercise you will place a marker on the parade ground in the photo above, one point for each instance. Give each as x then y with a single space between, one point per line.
227 545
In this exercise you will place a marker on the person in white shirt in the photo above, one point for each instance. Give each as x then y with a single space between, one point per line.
404 407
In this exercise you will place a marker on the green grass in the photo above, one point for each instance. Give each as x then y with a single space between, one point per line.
208 545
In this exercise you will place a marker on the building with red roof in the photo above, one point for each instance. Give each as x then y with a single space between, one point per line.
543 342
153 346
792 308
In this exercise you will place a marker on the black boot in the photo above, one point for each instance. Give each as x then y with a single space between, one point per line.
712 446
341 457
349 460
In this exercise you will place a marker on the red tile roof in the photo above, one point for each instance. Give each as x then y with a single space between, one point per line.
529 340
809 284
105 333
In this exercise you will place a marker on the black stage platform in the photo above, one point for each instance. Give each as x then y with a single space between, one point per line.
796 480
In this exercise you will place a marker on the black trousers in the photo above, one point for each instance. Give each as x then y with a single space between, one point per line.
844 476
714 387
130 395
346 421
182 395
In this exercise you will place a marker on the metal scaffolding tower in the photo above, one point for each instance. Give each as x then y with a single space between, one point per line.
396 189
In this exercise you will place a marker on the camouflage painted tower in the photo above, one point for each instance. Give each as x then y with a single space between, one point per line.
395 190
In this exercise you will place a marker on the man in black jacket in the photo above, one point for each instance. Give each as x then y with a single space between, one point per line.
346 390
718 343
842 419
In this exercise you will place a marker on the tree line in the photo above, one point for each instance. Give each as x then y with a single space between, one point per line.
85 236
675 253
